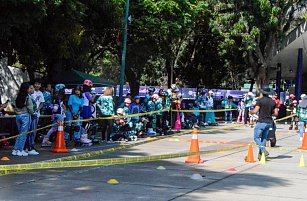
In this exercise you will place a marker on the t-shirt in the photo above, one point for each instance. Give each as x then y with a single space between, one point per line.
267 106
38 97
75 103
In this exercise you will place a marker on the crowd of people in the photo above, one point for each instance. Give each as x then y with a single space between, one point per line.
155 114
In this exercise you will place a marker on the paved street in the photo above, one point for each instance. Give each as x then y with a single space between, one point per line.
225 175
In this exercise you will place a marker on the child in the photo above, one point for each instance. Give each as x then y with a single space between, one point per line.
294 120
140 127
58 112
241 110
135 108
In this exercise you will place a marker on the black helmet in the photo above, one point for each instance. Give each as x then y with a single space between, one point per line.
151 89
162 92
78 87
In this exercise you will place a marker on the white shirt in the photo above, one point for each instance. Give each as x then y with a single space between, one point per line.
38 97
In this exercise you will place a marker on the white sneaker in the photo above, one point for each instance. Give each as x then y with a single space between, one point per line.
14 152
110 142
301 139
33 152
21 153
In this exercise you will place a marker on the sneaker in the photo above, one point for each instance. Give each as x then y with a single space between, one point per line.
21 153
301 139
46 142
14 152
33 152
110 142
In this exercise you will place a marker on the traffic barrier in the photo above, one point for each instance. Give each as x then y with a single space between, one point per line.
194 148
250 155
304 142
263 159
60 146
6 169
302 161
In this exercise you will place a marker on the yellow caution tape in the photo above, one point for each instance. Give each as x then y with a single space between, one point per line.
204 111
102 162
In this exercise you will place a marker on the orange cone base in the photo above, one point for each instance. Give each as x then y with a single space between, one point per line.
193 160
60 151
250 160
303 147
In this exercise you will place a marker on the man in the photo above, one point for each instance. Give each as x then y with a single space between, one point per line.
266 108
38 97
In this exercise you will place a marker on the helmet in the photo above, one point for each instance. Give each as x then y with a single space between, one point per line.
302 96
291 95
294 102
173 86
59 87
93 91
151 89
210 92
78 87
88 83
155 96
162 92
127 100
120 111
230 97
137 98
250 93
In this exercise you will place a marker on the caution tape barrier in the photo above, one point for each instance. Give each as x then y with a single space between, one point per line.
104 162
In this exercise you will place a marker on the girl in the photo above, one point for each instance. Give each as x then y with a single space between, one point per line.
75 105
106 105
23 108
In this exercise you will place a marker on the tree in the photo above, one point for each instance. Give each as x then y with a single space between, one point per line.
254 28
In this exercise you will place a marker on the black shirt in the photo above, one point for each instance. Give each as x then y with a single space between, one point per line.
267 106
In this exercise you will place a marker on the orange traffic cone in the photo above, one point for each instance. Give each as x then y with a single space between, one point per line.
250 155
59 146
194 148
304 142
4 158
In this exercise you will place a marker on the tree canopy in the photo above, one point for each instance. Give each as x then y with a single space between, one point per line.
216 43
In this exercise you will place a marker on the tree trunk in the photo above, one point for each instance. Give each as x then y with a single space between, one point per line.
134 82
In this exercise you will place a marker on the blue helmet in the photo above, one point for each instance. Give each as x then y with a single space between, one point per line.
59 87
151 89
137 98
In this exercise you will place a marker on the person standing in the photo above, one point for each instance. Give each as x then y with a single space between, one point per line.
106 105
210 116
38 97
74 111
302 115
248 102
228 104
266 107
23 109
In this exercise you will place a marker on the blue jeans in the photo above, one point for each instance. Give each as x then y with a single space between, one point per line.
75 126
228 114
261 132
23 125
34 122
302 128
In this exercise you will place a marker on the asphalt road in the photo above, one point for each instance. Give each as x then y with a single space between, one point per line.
224 175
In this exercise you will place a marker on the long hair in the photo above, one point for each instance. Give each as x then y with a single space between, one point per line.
108 91
22 94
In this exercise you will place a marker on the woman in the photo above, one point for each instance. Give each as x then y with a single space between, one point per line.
75 105
106 105
24 109
210 116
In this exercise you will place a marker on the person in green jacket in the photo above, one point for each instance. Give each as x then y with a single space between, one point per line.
302 115
228 104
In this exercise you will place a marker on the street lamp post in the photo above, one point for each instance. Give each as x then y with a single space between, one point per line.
122 72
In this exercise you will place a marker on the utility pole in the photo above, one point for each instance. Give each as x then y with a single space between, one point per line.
122 71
